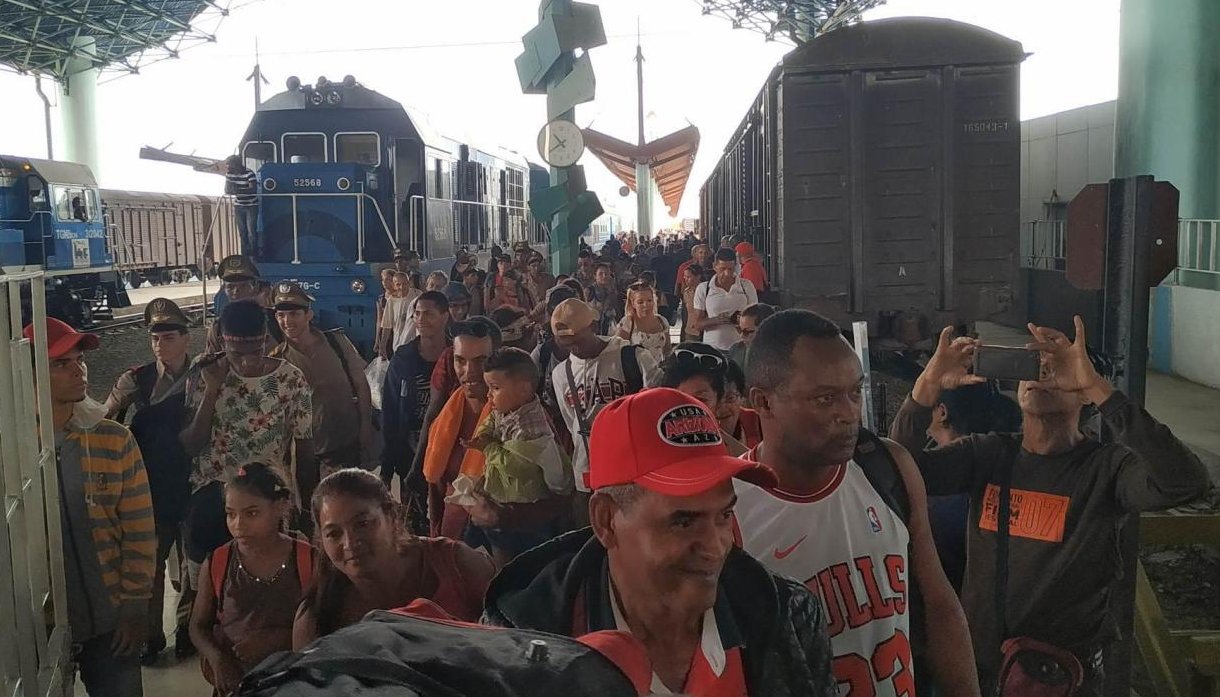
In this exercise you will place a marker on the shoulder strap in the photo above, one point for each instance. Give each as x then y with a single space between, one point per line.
146 381
544 361
219 569
631 369
1001 546
304 563
333 340
882 473
702 287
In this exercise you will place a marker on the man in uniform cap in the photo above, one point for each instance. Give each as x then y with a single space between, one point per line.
342 407
156 392
240 281
106 519
659 563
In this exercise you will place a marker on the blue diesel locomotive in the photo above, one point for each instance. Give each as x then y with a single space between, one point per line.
51 220
346 175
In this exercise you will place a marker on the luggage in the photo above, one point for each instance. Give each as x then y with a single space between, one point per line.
391 654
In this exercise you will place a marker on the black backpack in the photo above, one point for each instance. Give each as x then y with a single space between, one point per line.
392 655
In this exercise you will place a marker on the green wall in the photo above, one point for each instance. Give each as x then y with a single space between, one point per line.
1168 114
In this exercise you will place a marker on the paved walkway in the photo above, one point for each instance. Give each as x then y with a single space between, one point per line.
1190 409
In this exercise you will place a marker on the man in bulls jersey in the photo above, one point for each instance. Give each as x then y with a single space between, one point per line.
659 563
854 529
1069 497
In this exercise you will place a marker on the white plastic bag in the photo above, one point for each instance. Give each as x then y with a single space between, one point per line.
375 374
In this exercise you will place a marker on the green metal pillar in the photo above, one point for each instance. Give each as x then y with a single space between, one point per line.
1167 122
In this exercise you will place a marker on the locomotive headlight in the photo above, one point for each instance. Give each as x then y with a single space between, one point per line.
269 184
344 184
358 286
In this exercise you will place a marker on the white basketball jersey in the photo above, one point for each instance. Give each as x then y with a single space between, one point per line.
847 546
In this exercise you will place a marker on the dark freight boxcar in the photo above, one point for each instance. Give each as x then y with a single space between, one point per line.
878 173
153 235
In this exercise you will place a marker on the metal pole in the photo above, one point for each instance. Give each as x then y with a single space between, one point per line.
46 115
859 332
643 176
563 251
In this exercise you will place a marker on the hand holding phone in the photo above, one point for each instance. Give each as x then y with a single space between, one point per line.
1007 363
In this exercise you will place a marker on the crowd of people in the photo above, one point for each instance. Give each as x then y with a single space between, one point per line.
542 452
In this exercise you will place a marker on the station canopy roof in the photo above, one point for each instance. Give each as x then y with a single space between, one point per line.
669 159
43 36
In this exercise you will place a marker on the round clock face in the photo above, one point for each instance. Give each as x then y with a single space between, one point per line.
560 143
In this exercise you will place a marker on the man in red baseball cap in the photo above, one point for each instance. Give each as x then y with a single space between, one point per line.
659 562
107 522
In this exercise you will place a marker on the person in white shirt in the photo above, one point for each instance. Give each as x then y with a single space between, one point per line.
398 318
597 371
718 301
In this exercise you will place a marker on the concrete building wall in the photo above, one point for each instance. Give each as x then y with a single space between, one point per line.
1060 153
1194 334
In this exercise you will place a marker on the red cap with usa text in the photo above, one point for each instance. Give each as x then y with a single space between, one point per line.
667 442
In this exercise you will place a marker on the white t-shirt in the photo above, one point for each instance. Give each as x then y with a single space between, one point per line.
654 343
714 301
399 315
599 381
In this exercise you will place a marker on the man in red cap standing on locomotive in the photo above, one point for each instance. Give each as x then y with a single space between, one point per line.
659 563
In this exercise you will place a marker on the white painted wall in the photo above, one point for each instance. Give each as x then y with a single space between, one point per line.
1196 335
1060 153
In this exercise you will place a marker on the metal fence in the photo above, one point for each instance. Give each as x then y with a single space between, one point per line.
1042 244
35 653
1198 250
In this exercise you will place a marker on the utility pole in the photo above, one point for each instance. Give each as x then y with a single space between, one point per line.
643 176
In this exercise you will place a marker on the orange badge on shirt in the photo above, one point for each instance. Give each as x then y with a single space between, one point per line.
1035 515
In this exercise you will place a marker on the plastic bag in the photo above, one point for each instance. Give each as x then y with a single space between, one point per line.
375 374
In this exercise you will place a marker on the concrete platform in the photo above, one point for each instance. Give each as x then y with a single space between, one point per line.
1192 411
182 293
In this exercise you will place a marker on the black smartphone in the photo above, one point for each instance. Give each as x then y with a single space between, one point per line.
1007 363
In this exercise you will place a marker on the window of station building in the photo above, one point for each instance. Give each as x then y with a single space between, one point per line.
75 204
360 148
258 153
304 147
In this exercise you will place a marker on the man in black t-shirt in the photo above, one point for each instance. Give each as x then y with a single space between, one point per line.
1070 497
405 392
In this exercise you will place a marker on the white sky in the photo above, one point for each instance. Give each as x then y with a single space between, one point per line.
697 69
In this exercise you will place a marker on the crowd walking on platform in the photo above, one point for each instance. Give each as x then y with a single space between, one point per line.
642 450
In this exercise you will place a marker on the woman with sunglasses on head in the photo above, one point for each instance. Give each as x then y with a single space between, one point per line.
699 370
370 561
643 326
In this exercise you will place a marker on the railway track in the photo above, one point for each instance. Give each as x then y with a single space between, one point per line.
138 318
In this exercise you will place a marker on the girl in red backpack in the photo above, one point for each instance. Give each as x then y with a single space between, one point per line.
249 588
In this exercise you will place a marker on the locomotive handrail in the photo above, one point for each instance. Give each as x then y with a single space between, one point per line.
417 200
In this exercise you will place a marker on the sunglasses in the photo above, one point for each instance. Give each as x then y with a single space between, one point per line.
705 361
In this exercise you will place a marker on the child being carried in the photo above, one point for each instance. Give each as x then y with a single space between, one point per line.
523 460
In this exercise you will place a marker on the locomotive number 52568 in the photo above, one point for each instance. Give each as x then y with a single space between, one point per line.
307 183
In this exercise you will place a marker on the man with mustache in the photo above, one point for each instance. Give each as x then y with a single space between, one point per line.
1069 496
849 515
659 564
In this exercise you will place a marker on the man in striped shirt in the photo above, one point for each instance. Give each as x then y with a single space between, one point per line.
242 185
106 512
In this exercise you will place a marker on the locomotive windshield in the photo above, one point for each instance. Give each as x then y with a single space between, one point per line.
74 203
304 147
258 153
358 148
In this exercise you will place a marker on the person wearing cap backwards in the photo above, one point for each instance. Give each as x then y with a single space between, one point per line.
106 517
597 371
659 563
342 403
155 392
849 516
241 282
407 261
243 407
459 301
751 268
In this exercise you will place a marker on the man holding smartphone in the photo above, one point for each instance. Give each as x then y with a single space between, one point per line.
1047 573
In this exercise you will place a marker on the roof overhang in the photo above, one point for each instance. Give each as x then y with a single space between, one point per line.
669 159
47 37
